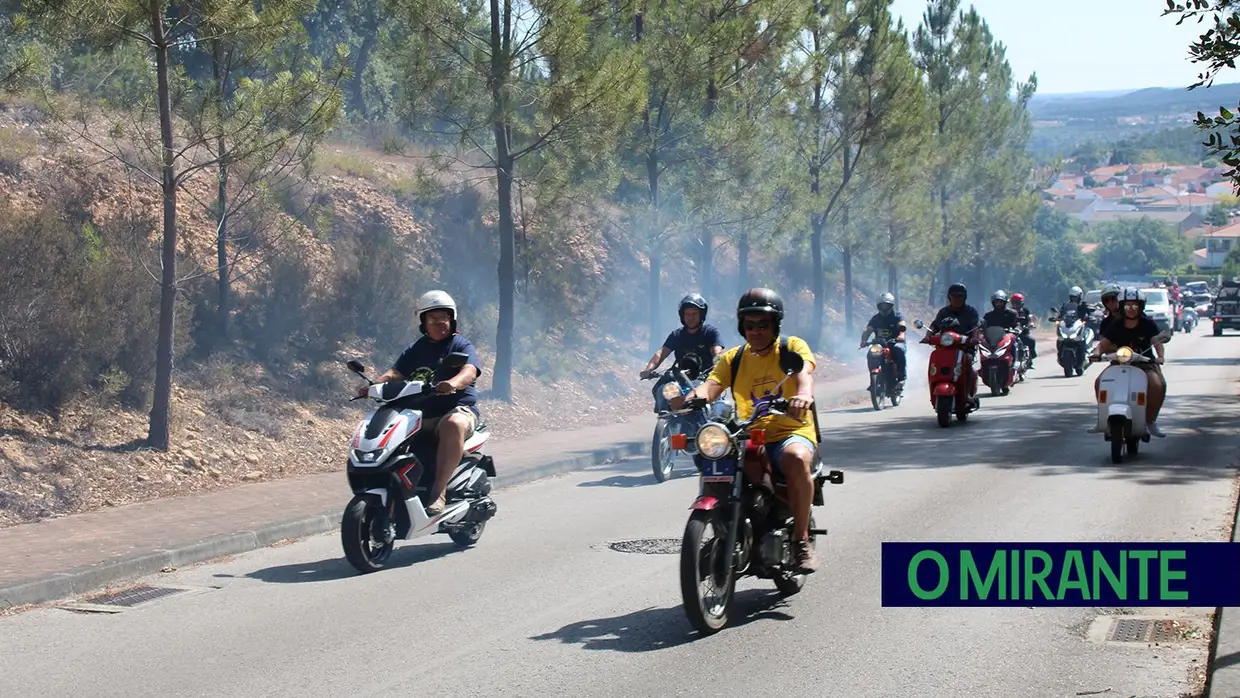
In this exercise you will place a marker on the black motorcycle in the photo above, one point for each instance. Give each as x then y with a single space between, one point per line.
883 383
676 381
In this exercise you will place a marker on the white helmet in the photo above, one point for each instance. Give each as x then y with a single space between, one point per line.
435 300
1075 292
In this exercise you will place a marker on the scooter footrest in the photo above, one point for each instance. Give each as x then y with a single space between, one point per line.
818 531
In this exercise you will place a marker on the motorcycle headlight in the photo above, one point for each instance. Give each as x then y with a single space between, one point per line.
671 390
1123 355
713 441
876 349
947 340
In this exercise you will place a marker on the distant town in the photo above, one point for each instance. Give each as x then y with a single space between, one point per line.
1197 201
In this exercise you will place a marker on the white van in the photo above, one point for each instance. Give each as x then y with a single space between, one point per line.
1158 307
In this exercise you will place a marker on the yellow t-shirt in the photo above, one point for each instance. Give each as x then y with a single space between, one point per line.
755 380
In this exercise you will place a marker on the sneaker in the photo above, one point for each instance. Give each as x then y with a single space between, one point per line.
1153 429
437 506
805 557
1093 430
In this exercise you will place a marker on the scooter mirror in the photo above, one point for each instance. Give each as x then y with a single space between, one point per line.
919 324
355 366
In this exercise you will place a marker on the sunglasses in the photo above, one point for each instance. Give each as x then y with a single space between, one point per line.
751 325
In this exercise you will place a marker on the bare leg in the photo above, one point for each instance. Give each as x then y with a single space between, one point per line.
452 430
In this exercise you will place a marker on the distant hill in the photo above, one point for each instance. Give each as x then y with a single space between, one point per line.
1152 102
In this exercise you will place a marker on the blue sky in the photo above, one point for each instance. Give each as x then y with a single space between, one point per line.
1087 45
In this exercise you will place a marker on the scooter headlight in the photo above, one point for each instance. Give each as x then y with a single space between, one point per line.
947 340
1123 355
713 441
876 349
670 391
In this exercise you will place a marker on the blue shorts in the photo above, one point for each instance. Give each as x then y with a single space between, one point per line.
775 450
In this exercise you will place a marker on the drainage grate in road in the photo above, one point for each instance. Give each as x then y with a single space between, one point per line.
132 596
1162 631
647 546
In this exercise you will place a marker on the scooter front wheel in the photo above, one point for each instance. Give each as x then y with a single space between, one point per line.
357 535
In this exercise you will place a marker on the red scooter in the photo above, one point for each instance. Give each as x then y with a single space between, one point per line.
953 382
998 353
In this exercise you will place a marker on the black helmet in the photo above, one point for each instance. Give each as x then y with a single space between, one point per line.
958 288
693 300
759 300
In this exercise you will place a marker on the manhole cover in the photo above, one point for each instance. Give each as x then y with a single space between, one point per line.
648 546
1162 631
132 596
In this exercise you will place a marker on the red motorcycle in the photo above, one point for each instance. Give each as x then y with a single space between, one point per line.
998 353
953 382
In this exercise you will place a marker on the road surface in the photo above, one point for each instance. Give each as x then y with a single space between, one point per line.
544 607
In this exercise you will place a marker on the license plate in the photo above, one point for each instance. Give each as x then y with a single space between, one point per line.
718 470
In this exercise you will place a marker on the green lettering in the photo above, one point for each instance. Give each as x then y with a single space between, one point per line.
1074 563
1015 593
1166 575
1102 568
1143 580
970 577
1038 577
944 575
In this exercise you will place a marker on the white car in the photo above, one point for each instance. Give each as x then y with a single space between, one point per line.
1158 307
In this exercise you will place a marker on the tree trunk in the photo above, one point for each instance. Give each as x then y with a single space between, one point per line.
979 264
818 283
656 267
501 385
358 86
846 256
848 290
707 268
742 273
158 431
221 199
893 282
946 238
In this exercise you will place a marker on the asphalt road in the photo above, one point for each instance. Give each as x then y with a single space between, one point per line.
543 607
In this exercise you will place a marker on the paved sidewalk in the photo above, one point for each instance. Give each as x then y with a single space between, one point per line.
64 557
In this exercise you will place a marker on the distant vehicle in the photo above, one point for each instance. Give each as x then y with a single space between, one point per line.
1158 307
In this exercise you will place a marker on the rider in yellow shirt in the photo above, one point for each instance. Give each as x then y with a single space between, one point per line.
791 440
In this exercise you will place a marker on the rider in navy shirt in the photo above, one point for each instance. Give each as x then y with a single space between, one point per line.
693 337
452 413
888 325
421 361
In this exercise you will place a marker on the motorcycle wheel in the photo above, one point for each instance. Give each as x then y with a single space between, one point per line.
356 535
661 452
466 537
789 583
943 410
695 562
1119 438
876 391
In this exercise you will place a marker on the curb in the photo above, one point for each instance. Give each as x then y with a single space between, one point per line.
65 585
1229 680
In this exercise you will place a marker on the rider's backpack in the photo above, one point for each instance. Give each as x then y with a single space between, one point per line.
783 352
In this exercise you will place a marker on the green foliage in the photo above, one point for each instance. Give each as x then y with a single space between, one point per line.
1139 247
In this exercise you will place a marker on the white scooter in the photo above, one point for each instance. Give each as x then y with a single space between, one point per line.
1122 398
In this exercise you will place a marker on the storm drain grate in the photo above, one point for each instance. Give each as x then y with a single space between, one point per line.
128 598
1163 631
647 546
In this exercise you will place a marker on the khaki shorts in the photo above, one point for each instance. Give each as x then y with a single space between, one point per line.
434 423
